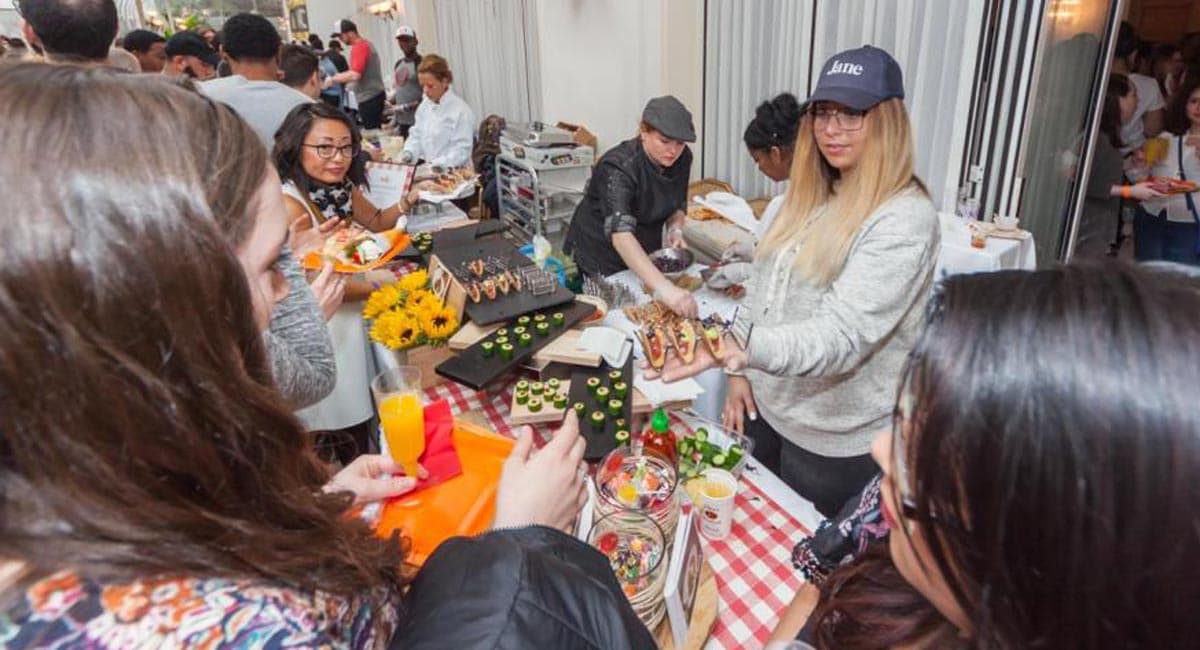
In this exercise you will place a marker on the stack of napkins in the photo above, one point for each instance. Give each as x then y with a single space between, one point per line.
610 343
657 392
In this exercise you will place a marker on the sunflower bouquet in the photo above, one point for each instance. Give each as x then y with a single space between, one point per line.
408 314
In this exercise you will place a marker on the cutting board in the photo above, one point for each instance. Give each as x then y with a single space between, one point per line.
704 614
563 349
522 415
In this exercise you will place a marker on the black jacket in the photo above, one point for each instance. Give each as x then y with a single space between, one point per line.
627 192
527 588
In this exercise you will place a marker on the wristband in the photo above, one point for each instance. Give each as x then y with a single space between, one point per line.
1126 191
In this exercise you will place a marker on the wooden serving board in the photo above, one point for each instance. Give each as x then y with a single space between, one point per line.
522 415
704 614
564 349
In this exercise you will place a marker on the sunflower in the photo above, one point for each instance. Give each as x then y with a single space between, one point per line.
416 280
381 300
439 324
420 299
396 330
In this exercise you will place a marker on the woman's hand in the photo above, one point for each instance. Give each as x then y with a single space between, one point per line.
680 301
372 477
739 403
330 290
675 238
304 238
734 358
1144 191
545 487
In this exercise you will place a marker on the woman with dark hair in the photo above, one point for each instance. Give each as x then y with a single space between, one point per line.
1034 499
1100 217
318 154
771 136
771 139
1168 228
156 490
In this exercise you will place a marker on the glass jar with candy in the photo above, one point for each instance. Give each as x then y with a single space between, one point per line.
636 549
642 481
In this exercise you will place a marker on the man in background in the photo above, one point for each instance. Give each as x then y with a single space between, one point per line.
300 69
251 45
189 55
408 88
149 48
365 76
1147 119
75 31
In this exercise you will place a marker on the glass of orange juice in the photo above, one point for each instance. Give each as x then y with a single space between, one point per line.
397 394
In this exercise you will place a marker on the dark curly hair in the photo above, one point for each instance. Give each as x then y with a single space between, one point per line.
775 123
250 37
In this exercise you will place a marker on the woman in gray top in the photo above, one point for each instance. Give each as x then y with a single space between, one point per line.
837 288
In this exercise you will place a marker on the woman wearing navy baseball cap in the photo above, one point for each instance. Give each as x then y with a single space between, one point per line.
837 288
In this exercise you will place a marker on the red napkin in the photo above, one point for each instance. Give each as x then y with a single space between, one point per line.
440 458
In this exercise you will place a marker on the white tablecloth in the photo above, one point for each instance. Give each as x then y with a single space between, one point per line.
958 256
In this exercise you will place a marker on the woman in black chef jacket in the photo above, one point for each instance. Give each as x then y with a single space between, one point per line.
637 194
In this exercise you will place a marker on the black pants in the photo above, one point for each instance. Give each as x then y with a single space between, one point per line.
370 112
826 482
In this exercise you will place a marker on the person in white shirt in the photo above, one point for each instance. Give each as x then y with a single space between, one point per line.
1168 228
444 130
1147 118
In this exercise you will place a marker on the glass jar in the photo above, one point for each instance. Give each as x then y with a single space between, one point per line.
637 550
642 481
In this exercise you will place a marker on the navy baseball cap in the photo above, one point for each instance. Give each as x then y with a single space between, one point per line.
859 79
188 43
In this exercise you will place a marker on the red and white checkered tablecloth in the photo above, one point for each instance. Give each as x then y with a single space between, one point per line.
755 579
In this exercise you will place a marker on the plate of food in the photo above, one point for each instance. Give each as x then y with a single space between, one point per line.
449 185
1168 185
357 251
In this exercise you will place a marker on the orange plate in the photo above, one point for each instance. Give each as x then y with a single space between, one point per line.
464 505
314 261
1171 185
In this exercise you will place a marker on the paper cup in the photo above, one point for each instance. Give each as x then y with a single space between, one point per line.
716 503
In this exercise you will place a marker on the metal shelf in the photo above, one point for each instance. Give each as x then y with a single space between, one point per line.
533 206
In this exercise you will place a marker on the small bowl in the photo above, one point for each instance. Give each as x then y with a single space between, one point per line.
679 256
1005 223
709 275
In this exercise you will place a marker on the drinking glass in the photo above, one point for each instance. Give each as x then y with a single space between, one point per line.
397 394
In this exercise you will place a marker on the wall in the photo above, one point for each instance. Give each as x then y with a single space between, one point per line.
1164 21
602 59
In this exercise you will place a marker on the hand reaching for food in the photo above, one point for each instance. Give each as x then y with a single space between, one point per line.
545 487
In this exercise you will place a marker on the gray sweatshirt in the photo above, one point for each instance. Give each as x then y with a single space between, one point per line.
298 342
824 363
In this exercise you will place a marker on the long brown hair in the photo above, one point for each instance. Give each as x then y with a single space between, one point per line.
885 168
142 435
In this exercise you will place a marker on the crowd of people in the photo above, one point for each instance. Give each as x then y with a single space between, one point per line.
1149 132
168 368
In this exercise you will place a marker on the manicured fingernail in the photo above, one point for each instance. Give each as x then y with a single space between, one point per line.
753 416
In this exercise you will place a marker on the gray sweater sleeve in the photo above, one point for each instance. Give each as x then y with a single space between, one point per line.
298 341
889 267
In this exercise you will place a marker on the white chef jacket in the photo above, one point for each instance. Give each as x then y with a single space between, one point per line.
443 132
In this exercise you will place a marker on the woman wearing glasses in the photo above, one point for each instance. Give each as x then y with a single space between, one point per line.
1034 499
318 157
838 284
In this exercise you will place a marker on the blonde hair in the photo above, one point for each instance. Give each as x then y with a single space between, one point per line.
885 168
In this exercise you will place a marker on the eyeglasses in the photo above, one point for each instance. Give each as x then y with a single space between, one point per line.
328 151
848 119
